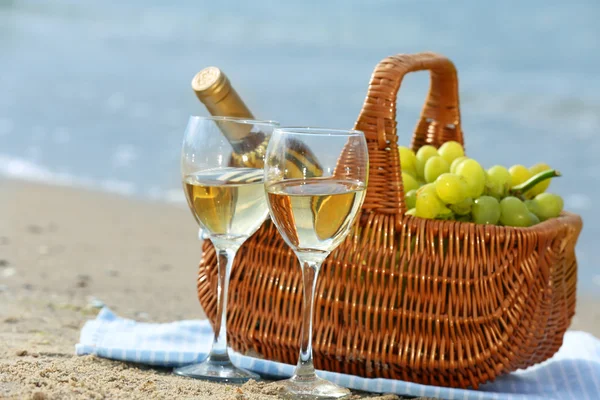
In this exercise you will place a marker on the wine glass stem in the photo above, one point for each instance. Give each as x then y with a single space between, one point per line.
218 351
305 368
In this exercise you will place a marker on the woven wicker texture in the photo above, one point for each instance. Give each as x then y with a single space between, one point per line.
435 302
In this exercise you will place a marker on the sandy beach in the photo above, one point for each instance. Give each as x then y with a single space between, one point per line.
65 250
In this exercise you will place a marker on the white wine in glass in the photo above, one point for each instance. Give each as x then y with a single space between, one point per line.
225 191
314 213
229 203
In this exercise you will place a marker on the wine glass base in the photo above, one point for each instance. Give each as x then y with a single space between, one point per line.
313 388
218 371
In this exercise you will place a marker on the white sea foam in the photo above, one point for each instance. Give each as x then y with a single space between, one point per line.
18 168
21 169
14 167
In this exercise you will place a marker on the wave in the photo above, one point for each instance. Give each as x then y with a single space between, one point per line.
22 169
14 167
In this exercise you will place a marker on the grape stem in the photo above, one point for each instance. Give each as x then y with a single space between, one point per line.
521 189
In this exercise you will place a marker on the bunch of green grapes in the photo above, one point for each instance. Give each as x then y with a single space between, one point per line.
445 184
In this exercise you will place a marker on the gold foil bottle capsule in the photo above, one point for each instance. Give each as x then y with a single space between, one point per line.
214 90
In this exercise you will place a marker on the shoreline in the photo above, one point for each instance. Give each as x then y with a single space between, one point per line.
64 251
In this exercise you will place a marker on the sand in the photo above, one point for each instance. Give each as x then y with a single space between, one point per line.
64 252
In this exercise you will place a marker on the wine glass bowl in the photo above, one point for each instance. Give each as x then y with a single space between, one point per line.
222 173
316 181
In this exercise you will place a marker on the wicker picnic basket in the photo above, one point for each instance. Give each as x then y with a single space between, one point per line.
434 302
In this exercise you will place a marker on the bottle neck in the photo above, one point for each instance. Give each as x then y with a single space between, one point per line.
213 89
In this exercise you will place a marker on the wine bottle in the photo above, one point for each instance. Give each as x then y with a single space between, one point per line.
214 90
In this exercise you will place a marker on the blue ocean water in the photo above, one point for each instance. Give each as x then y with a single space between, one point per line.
97 93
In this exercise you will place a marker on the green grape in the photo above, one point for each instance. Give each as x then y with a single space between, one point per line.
513 212
474 176
428 205
445 213
463 208
518 175
456 163
412 211
409 182
546 205
533 207
533 218
410 198
424 154
451 150
486 210
543 185
429 187
451 188
408 160
498 181
434 167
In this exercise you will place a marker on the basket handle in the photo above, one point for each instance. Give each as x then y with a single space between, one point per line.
439 122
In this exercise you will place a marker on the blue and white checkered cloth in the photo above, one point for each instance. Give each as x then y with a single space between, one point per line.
573 373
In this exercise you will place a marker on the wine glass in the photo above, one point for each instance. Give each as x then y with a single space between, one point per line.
316 181
222 170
